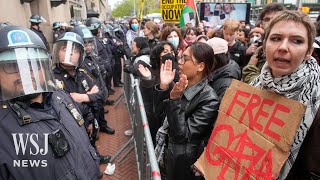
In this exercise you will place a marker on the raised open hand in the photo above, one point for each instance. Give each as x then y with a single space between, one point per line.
179 87
166 74
145 72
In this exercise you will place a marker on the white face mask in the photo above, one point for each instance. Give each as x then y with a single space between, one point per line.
254 40
174 41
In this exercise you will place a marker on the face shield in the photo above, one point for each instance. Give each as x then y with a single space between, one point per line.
68 53
90 46
24 71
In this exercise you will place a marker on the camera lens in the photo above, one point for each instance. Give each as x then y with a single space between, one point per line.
57 135
62 144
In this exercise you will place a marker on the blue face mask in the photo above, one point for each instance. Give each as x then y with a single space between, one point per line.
174 41
134 26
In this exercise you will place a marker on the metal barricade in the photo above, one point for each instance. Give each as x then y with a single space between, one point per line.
146 160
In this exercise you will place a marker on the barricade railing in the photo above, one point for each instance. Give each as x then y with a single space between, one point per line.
146 160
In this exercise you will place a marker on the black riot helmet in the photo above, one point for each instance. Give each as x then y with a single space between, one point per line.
3 24
88 39
75 22
56 25
68 50
116 27
35 19
25 66
93 24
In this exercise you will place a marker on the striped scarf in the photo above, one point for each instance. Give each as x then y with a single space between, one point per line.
303 85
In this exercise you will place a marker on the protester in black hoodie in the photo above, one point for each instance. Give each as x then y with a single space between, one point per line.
141 51
150 77
225 69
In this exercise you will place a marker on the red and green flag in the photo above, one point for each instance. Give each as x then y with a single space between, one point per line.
188 13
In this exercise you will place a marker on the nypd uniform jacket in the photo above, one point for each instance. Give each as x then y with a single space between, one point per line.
57 33
105 55
43 38
82 82
93 69
24 149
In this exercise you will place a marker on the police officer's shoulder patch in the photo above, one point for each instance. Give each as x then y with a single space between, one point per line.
85 72
82 70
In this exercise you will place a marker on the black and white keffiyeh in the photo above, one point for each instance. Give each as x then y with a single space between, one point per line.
161 137
303 85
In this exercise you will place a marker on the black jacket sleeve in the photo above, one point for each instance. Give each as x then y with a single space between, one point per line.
4 173
185 126
307 164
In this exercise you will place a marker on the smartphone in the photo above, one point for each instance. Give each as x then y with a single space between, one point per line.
222 16
216 13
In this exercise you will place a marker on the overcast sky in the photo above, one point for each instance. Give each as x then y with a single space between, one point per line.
112 3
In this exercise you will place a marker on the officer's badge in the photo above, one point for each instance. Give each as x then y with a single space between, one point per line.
51 84
105 41
75 113
59 84
85 85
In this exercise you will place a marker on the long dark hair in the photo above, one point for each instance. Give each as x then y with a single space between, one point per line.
141 42
155 54
221 60
202 52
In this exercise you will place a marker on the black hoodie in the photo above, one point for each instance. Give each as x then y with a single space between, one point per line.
221 78
143 57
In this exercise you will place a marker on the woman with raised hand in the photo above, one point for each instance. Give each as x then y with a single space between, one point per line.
150 77
191 107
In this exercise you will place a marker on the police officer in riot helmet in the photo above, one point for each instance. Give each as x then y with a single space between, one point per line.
118 32
90 62
57 30
104 52
110 40
91 65
35 21
68 55
75 22
3 24
46 121
118 51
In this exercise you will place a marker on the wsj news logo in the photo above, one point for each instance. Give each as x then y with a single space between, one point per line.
21 141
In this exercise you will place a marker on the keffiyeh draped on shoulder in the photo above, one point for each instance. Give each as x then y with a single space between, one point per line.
303 85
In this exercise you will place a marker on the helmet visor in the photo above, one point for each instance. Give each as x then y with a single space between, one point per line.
67 53
90 46
24 71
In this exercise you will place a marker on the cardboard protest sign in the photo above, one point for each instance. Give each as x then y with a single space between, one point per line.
171 10
252 135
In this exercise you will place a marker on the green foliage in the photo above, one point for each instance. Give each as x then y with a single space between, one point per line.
123 9
156 10
125 6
